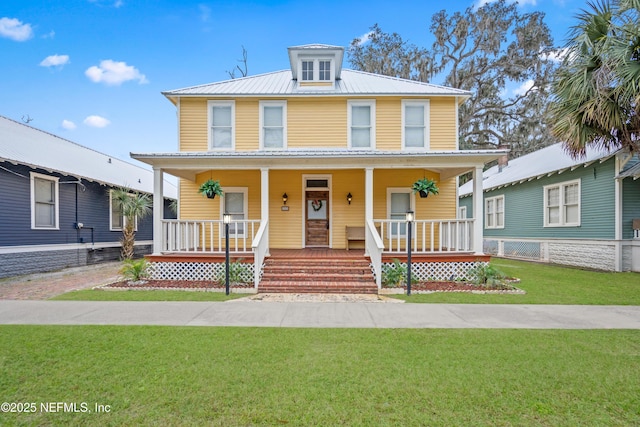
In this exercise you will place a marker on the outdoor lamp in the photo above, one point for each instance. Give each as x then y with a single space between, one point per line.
409 218
285 198
349 197
226 219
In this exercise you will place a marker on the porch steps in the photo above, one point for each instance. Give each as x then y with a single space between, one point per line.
317 275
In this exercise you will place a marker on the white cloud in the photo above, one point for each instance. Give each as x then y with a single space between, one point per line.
96 122
50 35
524 87
205 12
479 3
14 29
117 3
557 55
365 38
114 73
68 125
55 61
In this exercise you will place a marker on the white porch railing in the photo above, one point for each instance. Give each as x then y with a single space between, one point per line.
374 248
208 236
429 236
260 248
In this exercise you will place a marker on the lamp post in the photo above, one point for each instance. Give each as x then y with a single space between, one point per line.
226 218
409 219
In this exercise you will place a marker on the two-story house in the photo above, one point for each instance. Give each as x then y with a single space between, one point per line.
317 156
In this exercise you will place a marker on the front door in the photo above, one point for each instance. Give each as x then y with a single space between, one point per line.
317 218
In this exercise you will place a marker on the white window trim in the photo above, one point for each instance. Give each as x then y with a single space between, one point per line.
282 104
494 213
56 180
210 105
245 204
371 103
462 212
427 124
562 222
316 70
412 204
124 219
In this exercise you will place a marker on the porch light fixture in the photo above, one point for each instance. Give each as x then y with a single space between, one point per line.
349 197
285 198
409 217
226 219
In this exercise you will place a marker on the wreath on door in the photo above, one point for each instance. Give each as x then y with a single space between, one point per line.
316 205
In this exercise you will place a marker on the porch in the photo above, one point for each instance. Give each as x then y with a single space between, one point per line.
195 250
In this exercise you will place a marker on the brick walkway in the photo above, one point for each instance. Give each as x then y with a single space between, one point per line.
43 286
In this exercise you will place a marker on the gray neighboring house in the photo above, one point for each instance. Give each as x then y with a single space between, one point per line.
56 208
549 207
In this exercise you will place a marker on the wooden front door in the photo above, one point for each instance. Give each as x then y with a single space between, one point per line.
317 218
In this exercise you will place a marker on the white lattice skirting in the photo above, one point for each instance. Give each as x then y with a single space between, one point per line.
444 271
196 271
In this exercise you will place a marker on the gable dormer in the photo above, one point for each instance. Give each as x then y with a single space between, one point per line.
316 65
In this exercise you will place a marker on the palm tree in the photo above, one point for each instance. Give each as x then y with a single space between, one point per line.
133 206
597 89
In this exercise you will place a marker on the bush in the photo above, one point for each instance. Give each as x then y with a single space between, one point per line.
238 273
135 270
487 276
394 275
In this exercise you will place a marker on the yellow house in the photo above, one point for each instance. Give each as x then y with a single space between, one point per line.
317 156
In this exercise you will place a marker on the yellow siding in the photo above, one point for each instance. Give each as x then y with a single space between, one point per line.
285 227
193 124
443 124
314 122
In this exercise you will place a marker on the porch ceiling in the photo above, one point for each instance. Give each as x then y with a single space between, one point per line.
447 163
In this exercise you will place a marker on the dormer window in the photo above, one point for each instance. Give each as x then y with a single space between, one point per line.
315 70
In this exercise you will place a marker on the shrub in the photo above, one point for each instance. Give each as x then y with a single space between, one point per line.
238 273
487 276
135 270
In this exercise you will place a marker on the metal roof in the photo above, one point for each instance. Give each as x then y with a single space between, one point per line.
544 162
22 144
352 83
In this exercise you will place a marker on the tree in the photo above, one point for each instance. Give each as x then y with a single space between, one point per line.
597 90
243 70
133 206
484 51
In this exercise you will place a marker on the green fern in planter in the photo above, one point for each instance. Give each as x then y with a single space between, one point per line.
425 186
210 188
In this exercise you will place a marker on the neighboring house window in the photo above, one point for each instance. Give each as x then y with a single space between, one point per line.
399 201
462 212
307 70
44 202
221 125
361 122
324 70
562 204
273 119
235 204
117 218
415 124
494 212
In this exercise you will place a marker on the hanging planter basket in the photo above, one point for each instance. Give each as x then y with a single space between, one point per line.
424 187
210 188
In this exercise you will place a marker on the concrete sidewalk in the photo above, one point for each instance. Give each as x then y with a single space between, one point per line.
319 315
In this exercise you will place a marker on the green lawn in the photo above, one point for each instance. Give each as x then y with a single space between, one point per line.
551 284
267 376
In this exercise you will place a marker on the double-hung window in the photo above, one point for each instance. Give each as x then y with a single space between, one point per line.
494 212
235 204
562 204
315 70
273 120
415 124
44 202
361 122
221 125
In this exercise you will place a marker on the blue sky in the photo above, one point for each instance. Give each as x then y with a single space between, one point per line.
92 71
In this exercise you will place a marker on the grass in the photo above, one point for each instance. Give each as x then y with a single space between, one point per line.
159 295
267 376
550 284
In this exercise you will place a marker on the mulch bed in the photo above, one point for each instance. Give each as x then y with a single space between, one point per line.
204 285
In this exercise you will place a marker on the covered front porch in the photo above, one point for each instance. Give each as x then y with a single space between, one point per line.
285 192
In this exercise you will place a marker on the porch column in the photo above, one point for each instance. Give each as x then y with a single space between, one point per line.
368 201
158 209
478 200
264 201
